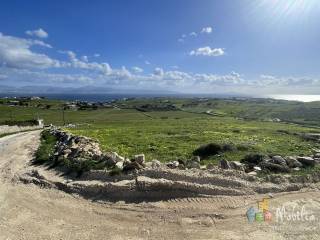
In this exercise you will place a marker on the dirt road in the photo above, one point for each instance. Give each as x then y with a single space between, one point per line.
30 212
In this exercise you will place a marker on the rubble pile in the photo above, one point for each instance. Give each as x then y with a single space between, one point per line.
83 154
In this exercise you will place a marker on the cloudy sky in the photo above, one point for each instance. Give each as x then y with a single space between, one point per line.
191 46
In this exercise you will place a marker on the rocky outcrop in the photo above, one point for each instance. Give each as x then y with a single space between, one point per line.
83 154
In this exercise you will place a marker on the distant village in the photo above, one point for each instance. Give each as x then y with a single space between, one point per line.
67 105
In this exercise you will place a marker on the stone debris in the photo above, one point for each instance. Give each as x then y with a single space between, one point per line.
79 151
307 161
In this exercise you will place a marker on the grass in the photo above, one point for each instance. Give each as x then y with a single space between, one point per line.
175 135
170 135
45 150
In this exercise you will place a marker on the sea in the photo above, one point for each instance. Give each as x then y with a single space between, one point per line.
300 98
109 97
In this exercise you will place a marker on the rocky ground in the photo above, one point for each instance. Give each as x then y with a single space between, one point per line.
32 205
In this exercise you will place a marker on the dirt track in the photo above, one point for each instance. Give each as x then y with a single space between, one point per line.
30 212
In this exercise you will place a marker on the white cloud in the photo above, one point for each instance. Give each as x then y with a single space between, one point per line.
207 30
137 69
207 51
16 53
180 40
147 62
3 77
193 34
158 72
96 55
85 58
40 33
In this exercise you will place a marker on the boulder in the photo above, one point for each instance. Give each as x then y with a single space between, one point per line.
253 173
155 164
116 157
140 158
196 159
278 160
173 164
237 165
193 164
130 166
307 161
292 162
224 164
210 166
316 155
257 169
277 168
119 165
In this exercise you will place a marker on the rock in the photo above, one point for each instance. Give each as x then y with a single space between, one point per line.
140 158
193 164
307 161
274 167
316 155
237 165
316 151
257 169
278 160
210 166
224 164
119 165
115 157
292 162
132 166
173 164
155 164
253 173
109 161
296 169
182 167
196 159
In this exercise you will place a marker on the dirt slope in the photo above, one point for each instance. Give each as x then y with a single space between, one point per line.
30 212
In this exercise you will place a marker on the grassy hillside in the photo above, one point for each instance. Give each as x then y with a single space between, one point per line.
168 129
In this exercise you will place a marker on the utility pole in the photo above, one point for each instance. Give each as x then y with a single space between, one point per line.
63 119
11 115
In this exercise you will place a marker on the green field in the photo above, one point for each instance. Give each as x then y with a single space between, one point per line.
173 134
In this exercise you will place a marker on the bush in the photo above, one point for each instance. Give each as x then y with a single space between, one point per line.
253 158
46 148
213 149
208 150
229 148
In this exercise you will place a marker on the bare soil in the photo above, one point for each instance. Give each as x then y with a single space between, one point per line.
29 211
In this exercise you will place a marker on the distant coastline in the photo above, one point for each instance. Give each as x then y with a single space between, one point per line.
98 97
296 97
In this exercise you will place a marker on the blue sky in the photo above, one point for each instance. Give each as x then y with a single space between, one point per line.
207 46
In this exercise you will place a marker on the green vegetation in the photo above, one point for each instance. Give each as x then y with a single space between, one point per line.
169 129
45 151
31 122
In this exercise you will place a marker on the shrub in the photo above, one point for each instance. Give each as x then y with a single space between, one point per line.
253 158
46 148
208 150
229 148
